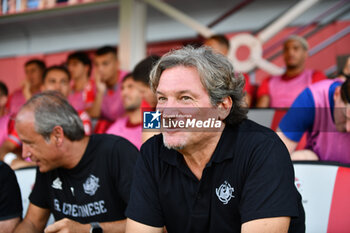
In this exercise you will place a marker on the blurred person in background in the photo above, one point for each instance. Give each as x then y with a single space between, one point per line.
4 116
34 70
83 90
129 126
108 78
281 91
221 44
323 111
56 78
141 75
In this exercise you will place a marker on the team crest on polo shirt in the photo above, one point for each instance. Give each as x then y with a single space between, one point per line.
225 192
57 184
91 185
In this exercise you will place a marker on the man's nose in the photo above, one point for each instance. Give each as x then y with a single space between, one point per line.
25 152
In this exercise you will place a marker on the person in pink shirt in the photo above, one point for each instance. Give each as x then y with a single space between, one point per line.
56 78
34 70
4 116
130 125
83 89
281 91
141 74
107 104
322 111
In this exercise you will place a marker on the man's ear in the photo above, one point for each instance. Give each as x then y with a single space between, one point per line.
225 107
57 135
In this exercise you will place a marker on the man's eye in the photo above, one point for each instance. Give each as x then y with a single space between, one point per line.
161 98
185 97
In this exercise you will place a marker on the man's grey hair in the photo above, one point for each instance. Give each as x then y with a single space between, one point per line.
51 109
300 39
216 73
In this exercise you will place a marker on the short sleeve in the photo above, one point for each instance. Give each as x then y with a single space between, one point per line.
13 138
300 117
10 194
318 76
269 189
264 88
144 205
127 155
40 191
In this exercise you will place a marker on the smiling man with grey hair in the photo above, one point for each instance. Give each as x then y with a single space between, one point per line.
84 181
234 178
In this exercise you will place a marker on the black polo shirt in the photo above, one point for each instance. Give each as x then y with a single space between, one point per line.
250 176
10 194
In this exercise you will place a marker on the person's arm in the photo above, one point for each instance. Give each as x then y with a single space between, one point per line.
12 143
298 119
133 226
20 163
7 147
248 99
34 221
7 226
290 144
70 226
101 87
26 89
144 207
269 198
263 94
248 89
263 102
267 225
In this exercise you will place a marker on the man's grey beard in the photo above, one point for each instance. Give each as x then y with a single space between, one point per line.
177 148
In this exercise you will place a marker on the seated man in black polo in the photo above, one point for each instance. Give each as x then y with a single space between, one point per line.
235 176
83 180
10 199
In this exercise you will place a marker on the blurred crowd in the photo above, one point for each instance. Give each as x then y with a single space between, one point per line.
111 100
15 6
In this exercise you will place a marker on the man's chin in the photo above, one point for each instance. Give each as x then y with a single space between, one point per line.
175 143
42 168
